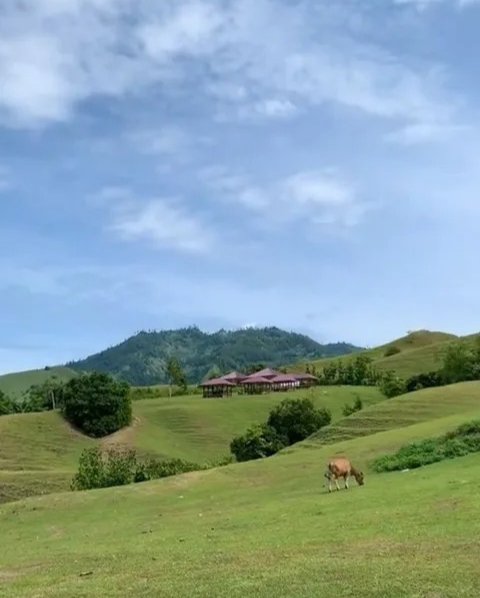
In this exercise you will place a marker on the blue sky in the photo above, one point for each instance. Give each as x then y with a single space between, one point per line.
306 164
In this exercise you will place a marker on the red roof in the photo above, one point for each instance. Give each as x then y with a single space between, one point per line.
217 382
234 376
305 377
256 380
266 373
284 378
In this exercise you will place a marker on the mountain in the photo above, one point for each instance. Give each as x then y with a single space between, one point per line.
141 359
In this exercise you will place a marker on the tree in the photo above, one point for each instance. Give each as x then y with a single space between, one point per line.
176 375
258 442
391 385
213 372
7 405
428 380
296 419
44 397
461 362
97 404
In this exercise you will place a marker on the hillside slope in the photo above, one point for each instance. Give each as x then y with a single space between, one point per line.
15 384
141 359
405 410
39 451
418 352
260 528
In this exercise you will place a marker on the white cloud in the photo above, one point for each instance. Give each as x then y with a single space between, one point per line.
318 197
425 133
266 57
162 222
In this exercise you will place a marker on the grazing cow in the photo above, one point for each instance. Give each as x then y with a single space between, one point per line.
342 468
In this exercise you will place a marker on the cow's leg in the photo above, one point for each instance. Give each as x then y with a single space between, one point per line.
336 483
346 481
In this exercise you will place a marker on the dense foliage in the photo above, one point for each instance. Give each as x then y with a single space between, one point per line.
97 404
7 405
462 441
291 421
258 442
39 397
296 419
428 380
142 359
117 468
461 362
359 371
391 385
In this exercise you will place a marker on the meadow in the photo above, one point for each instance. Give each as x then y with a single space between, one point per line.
260 529
39 451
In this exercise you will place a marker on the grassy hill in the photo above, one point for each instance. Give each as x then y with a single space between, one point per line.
15 384
141 360
405 410
419 352
39 451
259 529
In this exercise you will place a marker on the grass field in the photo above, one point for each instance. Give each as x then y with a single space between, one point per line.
39 451
14 385
258 529
420 352
415 407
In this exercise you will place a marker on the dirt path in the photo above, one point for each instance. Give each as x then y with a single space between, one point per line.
123 438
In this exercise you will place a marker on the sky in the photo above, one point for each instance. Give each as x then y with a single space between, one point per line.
308 164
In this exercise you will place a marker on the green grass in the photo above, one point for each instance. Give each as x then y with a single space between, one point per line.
420 352
423 405
46 449
14 385
257 529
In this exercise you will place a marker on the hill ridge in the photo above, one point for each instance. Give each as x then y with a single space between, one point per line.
141 359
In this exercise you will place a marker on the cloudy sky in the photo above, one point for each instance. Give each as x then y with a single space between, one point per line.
302 163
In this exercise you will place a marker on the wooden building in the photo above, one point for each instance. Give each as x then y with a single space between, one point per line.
217 387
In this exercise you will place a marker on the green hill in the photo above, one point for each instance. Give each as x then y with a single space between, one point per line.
405 410
260 529
141 359
14 385
39 451
418 352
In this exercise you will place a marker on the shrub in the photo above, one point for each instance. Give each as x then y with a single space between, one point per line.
97 404
7 405
391 385
457 443
121 467
428 380
296 419
259 441
356 406
392 350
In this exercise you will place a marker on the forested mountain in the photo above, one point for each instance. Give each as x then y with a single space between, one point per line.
141 359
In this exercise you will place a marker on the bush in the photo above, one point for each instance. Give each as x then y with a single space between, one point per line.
457 443
428 380
392 350
258 442
118 468
97 404
391 385
296 419
7 405
356 406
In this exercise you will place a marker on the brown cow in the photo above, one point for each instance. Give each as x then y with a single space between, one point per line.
342 468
